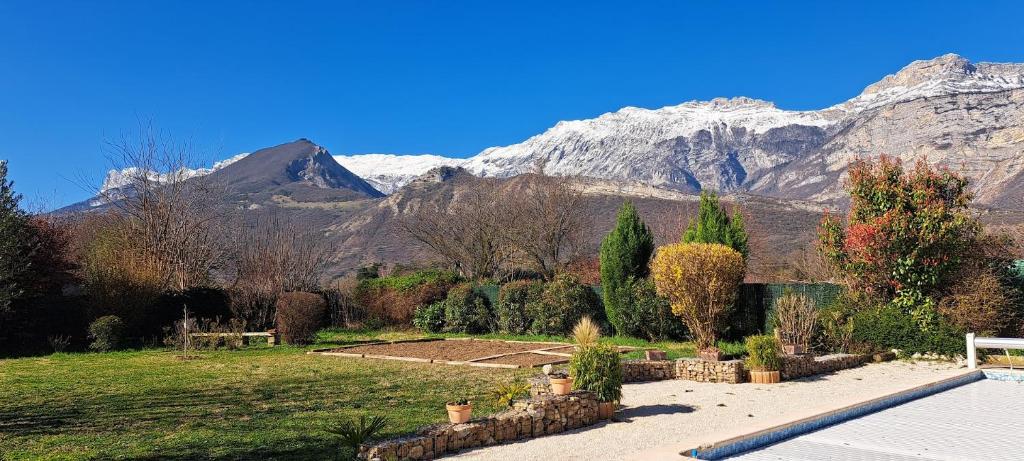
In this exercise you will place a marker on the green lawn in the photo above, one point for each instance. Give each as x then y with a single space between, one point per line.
259 403
256 403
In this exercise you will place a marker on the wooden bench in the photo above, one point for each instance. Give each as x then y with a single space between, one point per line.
272 337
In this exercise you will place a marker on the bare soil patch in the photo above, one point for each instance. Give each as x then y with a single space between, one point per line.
527 359
450 350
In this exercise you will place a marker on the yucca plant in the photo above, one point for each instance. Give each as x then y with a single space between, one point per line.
586 333
354 433
506 393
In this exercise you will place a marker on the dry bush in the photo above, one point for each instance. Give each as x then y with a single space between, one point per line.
979 303
396 306
701 281
299 316
796 318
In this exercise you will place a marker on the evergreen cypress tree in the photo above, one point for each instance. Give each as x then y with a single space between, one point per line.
713 225
625 253
13 240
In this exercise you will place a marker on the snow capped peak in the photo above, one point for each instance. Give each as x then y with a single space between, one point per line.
117 179
944 75
389 172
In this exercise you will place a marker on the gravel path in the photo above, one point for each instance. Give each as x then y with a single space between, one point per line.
661 418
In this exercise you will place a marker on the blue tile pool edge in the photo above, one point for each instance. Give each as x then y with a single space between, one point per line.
777 434
1004 375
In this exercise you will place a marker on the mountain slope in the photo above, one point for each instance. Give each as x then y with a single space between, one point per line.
298 165
388 172
964 115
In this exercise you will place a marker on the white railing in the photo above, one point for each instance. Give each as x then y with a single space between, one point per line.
974 343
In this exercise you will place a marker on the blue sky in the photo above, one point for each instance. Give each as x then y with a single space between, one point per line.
449 78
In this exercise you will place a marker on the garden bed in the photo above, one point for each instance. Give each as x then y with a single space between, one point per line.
476 352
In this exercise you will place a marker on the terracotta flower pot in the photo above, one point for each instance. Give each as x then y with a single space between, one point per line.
711 355
794 349
459 414
605 410
561 386
765 377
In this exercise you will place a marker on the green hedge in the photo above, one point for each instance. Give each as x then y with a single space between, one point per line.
753 307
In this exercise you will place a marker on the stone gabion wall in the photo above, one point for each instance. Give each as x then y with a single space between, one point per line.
727 371
799 366
637 371
534 417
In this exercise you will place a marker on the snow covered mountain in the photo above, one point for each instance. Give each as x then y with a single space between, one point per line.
967 116
742 144
117 179
389 172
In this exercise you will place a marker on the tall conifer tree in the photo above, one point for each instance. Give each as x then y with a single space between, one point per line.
14 240
714 225
625 253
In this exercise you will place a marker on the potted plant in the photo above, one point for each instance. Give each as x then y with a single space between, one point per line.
795 317
561 382
711 354
459 411
763 359
598 369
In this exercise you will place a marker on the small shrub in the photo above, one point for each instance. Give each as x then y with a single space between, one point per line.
763 353
835 323
430 317
586 332
597 369
563 303
889 327
511 312
107 333
701 280
645 314
299 316
795 317
506 393
466 311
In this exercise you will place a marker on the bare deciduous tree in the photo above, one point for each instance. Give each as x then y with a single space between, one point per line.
471 233
169 216
270 257
547 224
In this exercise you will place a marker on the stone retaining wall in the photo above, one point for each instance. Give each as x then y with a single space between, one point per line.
799 366
534 417
726 371
638 371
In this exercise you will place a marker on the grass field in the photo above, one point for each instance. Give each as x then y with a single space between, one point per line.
256 403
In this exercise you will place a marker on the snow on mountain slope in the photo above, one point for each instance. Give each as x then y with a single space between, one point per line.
389 172
949 109
117 179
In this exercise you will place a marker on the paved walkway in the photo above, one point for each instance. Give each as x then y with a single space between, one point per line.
659 419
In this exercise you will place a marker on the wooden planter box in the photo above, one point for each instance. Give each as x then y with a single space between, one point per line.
765 377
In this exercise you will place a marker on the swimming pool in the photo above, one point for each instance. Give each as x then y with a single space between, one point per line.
983 419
